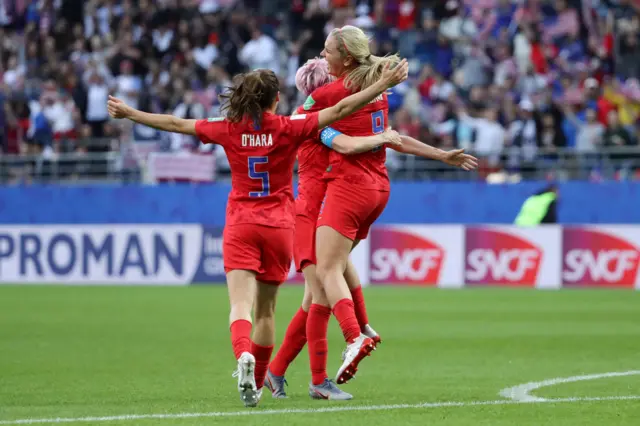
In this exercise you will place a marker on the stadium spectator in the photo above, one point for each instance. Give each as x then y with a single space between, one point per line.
189 108
311 42
590 133
551 53
128 85
60 111
490 136
96 112
552 137
523 140
619 139
14 73
260 52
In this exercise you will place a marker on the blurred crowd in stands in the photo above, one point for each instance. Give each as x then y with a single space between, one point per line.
525 84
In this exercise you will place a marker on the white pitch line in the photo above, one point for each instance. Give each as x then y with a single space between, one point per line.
522 393
334 409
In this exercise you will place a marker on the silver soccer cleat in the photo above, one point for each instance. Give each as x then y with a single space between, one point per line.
249 393
276 385
328 390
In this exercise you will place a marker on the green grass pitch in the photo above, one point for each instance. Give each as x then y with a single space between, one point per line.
75 352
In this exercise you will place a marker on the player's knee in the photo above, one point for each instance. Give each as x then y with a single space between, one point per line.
265 309
322 272
264 323
327 271
330 266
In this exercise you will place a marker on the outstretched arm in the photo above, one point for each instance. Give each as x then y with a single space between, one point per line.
351 104
168 123
455 157
349 145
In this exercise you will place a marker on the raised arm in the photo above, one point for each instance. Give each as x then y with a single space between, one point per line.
349 145
351 104
168 123
456 157
571 116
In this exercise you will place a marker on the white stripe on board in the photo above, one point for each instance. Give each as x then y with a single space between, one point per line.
522 393
334 409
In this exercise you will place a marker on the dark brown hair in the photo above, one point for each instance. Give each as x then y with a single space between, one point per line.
251 94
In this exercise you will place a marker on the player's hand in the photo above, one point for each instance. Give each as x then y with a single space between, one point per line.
391 137
458 158
118 109
395 76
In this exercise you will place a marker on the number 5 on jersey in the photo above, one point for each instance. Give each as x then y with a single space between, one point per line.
255 174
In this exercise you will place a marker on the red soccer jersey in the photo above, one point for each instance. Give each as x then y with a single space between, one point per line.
366 170
313 160
261 163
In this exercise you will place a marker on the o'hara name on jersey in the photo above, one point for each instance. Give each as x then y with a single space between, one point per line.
257 140
377 99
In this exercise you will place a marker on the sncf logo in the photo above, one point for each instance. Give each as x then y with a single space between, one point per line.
401 257
596 258
497 257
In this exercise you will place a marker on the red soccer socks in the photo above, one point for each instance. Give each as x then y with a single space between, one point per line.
263 356
345 314
240 337
317 325
360 307
294 340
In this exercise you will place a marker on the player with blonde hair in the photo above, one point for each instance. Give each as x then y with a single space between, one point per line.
309 323
357 186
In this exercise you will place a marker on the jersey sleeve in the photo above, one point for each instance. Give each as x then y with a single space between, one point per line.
316 101
212 130
304 126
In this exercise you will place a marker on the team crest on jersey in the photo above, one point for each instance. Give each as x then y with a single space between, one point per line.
309 103
215 119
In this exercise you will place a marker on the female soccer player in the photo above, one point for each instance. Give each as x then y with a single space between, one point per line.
258 236
358 186
313 160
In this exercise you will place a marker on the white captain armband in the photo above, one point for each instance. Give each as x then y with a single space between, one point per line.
327 136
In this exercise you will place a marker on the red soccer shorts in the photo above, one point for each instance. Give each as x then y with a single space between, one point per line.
262 249
352 211
304 252
308 205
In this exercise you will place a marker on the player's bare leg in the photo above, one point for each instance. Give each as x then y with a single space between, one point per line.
307 297
332 251
321 387
242 290
355 287
294 340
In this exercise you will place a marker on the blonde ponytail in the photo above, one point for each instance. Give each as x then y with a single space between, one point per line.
352 41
